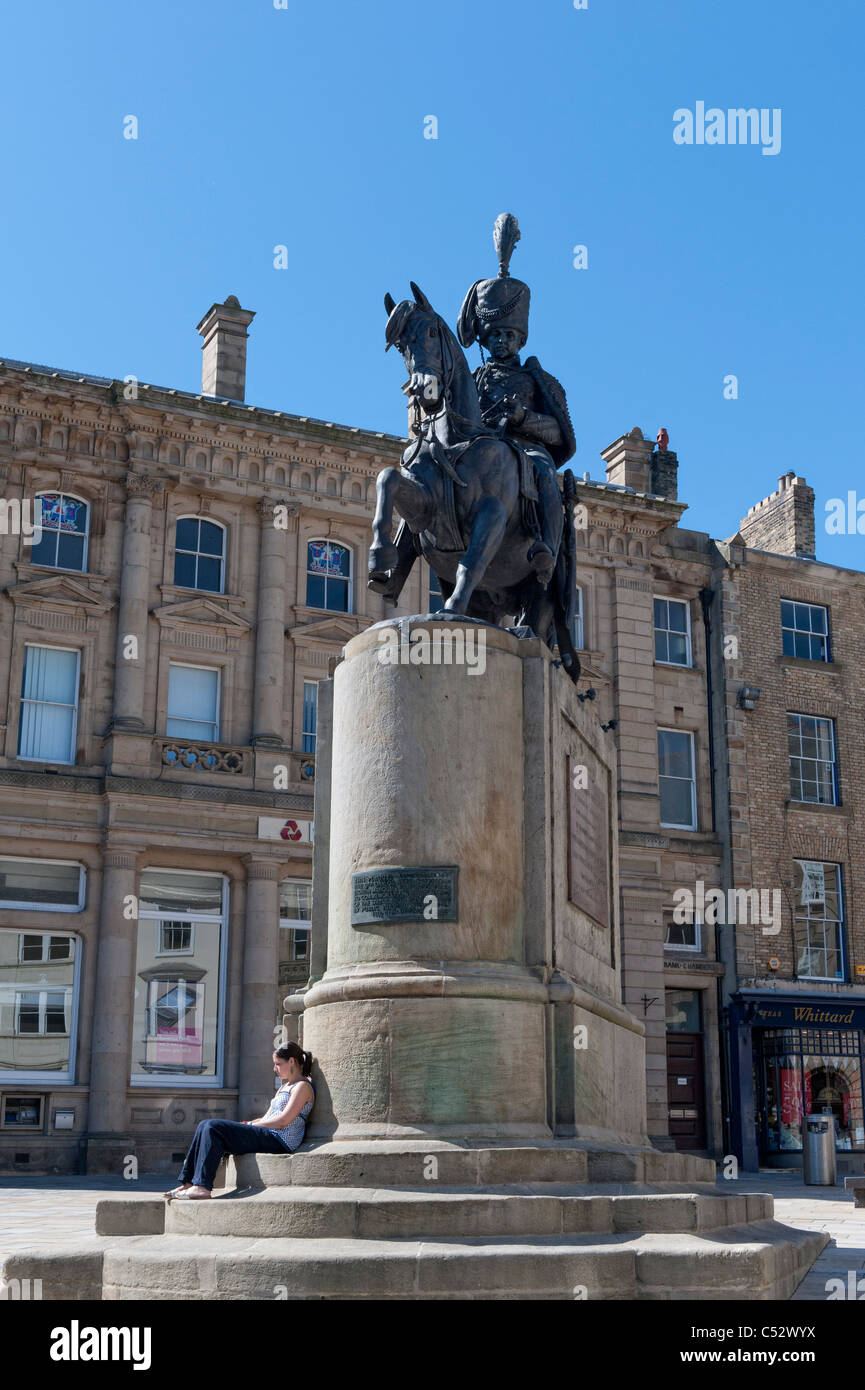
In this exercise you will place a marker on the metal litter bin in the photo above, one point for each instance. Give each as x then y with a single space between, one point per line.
819 1150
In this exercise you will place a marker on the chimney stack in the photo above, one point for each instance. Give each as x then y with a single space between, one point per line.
784 521
628 461
223 365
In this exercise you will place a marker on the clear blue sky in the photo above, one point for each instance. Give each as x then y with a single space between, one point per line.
304 127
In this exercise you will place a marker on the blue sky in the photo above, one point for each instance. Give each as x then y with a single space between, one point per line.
304 127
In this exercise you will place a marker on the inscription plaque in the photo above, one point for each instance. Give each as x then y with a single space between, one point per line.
427 893
589 846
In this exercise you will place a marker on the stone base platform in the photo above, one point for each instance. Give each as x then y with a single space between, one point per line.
436 1220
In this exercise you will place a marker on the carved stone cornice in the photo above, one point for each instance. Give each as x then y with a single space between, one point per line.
143 485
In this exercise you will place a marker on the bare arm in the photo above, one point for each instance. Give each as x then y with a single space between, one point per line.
302 1093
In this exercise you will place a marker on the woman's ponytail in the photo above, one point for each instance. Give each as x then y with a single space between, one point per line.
291 1051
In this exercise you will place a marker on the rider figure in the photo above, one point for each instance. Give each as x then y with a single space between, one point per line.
525 403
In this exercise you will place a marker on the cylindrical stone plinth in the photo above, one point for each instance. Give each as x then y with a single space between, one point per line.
431 1026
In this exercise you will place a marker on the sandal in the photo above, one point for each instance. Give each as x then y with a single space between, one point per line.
175 1192
189 1196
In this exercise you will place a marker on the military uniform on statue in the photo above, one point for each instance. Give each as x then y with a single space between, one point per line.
521 400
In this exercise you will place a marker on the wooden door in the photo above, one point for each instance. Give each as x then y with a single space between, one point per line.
686 1090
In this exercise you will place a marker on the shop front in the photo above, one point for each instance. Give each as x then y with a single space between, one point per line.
791 1056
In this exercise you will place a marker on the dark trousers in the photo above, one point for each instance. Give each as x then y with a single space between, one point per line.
215 1138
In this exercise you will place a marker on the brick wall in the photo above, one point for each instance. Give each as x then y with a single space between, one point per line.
784 521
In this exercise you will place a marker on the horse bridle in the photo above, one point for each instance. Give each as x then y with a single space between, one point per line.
426 433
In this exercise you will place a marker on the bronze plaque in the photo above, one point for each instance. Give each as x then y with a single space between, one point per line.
427 893
589 844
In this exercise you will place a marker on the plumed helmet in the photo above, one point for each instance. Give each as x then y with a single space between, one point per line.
502 302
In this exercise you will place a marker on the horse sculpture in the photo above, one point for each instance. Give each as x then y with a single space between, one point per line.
458 494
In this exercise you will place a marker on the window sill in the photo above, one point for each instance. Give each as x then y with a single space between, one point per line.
823 807
807 663
677 666
46 764
27 570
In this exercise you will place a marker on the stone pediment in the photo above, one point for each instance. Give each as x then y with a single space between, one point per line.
61 590
333 627
201 612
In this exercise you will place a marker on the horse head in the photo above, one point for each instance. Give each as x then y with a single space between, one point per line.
427 346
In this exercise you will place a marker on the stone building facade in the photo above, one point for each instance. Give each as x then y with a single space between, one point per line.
730 670
795 711
645 653
200 563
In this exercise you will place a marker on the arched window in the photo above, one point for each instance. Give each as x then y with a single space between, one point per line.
328 576
199 555
65 523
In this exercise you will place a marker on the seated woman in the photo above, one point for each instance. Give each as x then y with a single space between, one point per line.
279 1131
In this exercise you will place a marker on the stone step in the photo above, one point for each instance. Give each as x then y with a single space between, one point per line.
762 1260
387 1163
416 1213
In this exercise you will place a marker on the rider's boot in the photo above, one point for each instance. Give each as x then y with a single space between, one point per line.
542 556
543 561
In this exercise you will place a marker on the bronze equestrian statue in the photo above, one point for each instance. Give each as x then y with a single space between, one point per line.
478 491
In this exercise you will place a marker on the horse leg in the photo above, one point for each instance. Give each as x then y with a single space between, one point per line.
537 611
410 498
488 530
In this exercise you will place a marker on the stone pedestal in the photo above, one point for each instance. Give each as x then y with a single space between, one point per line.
479 1127
502 1018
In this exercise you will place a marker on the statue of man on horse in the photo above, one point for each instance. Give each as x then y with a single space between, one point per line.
478 490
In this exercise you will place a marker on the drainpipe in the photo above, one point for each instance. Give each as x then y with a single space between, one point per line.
707 597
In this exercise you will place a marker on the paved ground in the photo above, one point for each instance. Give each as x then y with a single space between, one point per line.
827 1209
58 1210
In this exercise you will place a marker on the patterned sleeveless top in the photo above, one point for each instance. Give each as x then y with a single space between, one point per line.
292 1134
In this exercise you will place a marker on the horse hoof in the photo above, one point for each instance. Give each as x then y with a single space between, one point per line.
381 559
